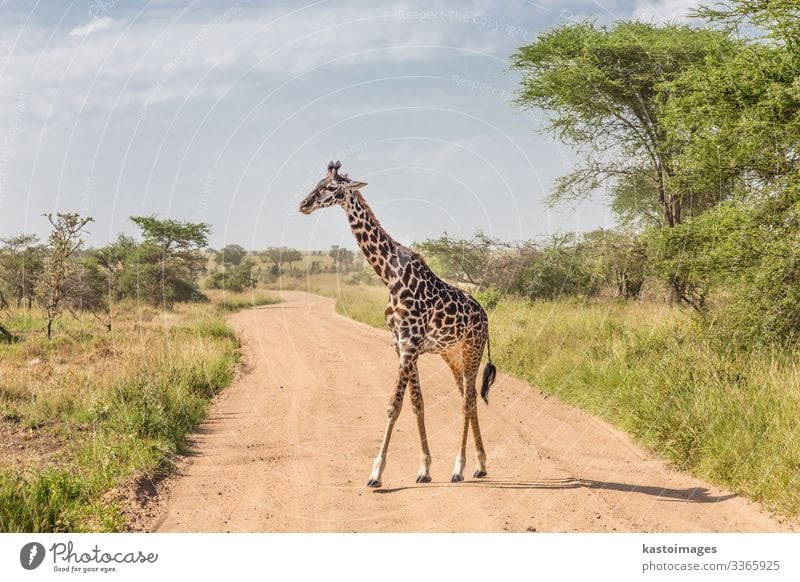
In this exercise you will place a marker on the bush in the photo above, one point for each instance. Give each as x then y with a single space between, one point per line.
739 266
233 278
489 298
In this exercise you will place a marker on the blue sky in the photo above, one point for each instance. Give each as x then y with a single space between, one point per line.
228 112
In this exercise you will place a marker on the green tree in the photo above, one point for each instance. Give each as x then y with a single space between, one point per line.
601 89
779 18
21 263
742 268
169 261
59 284
231 255
107 277
460 260
292 256
235 278
615 261
735 121
276 256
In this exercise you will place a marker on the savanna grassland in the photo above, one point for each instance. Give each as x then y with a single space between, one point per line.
109 358
91 409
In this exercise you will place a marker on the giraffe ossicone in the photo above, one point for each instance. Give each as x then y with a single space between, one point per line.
425 315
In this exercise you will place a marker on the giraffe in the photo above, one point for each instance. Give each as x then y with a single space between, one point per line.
425 315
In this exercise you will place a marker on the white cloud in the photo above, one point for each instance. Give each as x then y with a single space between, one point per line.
93 25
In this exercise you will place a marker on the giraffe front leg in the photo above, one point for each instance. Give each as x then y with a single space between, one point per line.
418 404
392 411
458 467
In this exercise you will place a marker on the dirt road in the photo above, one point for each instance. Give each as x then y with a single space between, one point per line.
289 447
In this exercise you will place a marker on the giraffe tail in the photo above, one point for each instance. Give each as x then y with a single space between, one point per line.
489 374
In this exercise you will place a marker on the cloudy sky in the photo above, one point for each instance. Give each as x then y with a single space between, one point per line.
228 112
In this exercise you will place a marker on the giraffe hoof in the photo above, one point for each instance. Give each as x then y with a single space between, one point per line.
373 483
423 479
456 479
479 474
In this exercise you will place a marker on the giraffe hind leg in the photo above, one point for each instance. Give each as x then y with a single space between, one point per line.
472 359
455 361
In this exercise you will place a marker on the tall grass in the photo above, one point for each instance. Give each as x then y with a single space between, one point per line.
91 409
734 420
645 367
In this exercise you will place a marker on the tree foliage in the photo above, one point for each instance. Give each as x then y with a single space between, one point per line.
461 260
741 257
59 285
168 263
231 255
566 265
601 90
21 263
277 256
235 278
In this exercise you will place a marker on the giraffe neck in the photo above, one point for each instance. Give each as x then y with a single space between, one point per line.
380 249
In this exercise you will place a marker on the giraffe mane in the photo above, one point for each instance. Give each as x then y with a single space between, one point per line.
368 210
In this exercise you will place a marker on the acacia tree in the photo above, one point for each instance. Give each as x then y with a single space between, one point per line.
736 120
58 283
168 262
275 256
462 260
601 88
231 255
291 256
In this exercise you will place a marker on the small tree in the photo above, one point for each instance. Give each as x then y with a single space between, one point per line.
276 257
236 279
103 277
21 263
231 255
169 261
291 256
58 284
462 260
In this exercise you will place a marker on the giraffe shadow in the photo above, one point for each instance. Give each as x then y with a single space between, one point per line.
689 494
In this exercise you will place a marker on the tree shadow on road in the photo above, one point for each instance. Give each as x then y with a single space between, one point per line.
690 494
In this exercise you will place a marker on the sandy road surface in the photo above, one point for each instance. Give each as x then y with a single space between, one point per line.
289 447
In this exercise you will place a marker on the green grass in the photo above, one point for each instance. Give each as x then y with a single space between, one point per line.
733 420
358 295
91 410
228 301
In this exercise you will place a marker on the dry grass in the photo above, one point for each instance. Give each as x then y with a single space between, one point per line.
83 412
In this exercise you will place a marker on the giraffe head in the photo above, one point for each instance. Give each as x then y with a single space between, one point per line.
332 189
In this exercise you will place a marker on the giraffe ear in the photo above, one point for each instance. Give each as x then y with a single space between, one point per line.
355 185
